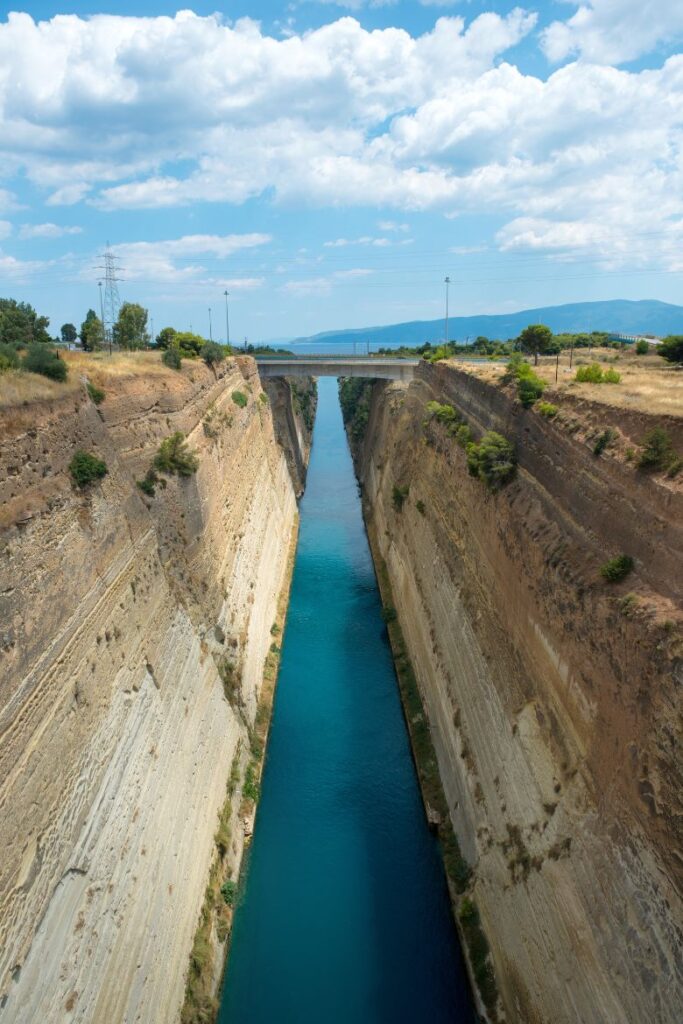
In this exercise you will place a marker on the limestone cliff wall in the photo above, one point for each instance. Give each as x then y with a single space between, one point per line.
553 697
116 735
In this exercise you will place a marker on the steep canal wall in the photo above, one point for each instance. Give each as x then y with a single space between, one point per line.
552 696
135 633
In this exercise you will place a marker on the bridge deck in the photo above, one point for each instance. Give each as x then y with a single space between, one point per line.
336 366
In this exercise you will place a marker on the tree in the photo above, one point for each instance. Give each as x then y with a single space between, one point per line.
68 333
536 339
165 337
130 330
20 324
671 348
92 332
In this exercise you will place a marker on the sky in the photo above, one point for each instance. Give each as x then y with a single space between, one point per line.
328 164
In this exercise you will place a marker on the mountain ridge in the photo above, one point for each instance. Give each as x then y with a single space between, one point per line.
646 316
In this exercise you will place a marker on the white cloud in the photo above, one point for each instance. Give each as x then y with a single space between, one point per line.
343 116
189 261
614 31
323 285
5 229
340 243
392 225
19 270
47 231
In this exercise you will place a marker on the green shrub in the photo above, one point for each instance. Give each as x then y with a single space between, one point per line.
443 413
398 496
602 442
463 435
547 409
171 357
264 398
389 614
591 374
529 389
149 483
9 358
239 398
675 466
617 568
96 394
212 353
492 460
86 468
642 347
229 892
44 360
658 451
251 790
671 348
594 374
174 457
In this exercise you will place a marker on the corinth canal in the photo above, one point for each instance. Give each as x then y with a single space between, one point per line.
344 915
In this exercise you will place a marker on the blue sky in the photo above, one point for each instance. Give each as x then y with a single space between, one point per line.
328 164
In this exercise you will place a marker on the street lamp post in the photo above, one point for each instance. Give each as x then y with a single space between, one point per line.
447 282
210 330
227 319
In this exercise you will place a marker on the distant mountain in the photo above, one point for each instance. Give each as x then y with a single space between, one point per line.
646 316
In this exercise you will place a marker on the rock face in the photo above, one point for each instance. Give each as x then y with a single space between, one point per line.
553 697
117 610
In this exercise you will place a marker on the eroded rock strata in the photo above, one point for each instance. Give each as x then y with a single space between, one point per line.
552 696
126 622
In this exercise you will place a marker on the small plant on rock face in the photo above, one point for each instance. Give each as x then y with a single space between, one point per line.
96 394
547 409
174 456
86 468
602 442
420 506
617 568
229 892
530 389
398 496
239 398
389 614
492 460
658 451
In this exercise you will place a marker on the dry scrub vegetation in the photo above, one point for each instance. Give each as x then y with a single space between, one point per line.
18 387
648 384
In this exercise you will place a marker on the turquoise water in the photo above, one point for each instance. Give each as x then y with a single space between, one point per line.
343 915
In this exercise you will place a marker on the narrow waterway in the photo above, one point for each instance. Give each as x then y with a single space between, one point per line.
344 915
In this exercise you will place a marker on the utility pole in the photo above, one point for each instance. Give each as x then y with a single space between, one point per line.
227 320
152 330
210 334
99 285
447 282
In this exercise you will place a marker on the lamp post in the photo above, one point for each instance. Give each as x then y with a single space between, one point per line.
227 319
210 331
447 282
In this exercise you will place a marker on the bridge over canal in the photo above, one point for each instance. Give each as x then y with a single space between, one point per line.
336 366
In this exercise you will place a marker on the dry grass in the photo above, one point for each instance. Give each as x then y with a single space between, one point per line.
100 366
648 383
18 388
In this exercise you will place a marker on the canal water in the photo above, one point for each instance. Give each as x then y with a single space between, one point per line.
343 915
